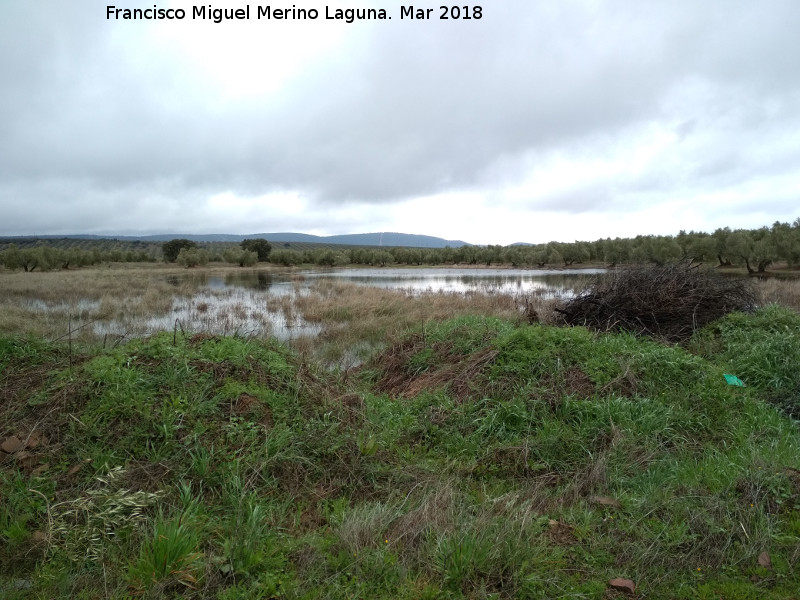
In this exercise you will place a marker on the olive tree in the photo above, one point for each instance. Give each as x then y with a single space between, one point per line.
755 248
287 258
192 257
244 258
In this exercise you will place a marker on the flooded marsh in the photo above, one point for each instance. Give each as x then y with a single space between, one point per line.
313 309
333 313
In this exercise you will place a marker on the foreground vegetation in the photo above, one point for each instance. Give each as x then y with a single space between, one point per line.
476 457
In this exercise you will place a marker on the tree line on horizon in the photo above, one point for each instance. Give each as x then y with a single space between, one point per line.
754 249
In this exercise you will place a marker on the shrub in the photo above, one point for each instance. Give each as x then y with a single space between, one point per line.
258 245
172 248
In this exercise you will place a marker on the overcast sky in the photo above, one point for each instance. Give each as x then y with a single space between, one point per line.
543 120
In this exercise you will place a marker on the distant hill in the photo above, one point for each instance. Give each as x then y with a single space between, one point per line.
386 238
390 239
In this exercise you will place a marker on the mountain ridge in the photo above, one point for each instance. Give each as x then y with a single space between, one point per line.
381 238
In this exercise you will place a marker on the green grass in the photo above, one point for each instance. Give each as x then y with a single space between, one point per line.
476 458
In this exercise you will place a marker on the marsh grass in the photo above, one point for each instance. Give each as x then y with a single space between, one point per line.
47 303
125 303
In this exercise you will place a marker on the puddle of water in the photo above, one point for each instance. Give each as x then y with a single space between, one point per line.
79 310
81 306
239 311
249 279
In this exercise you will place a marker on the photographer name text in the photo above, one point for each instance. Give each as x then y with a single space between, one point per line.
260 12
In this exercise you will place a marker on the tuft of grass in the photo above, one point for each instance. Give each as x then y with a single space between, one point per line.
170 556
83 527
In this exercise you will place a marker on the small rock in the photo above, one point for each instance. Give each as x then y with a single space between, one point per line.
764 560
37 537
606 501
40 469
23 584
35 440
622 585
26 459
11 445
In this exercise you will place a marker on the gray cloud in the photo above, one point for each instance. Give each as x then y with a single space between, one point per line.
414 110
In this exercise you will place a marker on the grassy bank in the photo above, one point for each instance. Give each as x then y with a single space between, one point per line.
475 457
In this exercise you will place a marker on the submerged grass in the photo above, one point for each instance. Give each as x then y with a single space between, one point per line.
357 320
476 456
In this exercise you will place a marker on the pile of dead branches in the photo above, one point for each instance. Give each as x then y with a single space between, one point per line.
668 302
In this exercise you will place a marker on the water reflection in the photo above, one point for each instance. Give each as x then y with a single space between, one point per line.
514 281
264 280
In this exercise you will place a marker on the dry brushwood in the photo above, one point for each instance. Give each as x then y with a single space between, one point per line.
668 302
458 371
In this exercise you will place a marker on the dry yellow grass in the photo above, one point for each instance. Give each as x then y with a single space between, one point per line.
785 292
